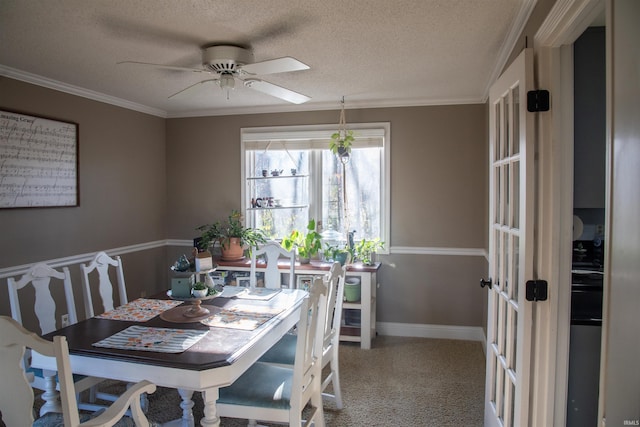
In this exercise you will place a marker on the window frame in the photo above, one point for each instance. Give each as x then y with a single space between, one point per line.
362 131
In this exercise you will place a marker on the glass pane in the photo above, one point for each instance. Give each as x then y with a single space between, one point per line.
497 197
515 205
514 363
506 195
278 204
500 392
515 257
494 318
494 367
515 92
507 265
502 325
498 132
496 257
507 126
512 404
358 208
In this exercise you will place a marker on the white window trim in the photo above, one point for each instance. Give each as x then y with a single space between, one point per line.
323 133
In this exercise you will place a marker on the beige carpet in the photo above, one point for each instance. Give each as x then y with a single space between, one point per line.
399 382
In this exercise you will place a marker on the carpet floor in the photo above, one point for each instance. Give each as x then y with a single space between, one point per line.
398 382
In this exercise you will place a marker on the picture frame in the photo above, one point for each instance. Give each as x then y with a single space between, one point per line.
304 281
39 166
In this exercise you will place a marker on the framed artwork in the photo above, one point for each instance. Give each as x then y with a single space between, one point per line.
38 161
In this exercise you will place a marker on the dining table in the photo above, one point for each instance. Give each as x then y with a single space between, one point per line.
174 343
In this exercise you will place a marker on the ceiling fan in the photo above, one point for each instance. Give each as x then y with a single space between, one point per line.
228 63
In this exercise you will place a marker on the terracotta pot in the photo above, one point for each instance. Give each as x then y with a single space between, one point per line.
231 249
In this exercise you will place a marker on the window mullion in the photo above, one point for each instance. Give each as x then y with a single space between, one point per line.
315 185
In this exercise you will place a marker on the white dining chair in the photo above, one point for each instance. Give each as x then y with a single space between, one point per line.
283 352
16 394
272 252
44 282
101 264
267 392
104 289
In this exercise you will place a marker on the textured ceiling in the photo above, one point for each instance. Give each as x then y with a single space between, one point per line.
374 53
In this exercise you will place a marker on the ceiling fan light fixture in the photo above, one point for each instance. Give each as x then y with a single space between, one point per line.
227 81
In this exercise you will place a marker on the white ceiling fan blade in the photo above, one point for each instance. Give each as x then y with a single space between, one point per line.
277 91
272 66
167 67
193 88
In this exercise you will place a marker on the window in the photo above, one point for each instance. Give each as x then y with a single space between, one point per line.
291 176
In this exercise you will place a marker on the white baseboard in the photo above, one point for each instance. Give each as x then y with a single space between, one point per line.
467 333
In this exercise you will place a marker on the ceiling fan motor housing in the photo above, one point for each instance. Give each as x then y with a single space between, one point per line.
225 58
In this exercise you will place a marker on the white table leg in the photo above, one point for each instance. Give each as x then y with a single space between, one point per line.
210 419
50 395
365 311
187 407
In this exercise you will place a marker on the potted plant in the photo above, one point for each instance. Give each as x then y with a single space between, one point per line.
232 235
307 244
336 253
341 143
365 250
199 290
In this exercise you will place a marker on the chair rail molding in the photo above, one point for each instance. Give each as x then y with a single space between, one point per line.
86 257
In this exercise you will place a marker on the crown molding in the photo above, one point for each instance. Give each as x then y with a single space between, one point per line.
78 91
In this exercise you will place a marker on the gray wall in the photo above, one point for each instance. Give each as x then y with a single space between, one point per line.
438 199
144 178
122 190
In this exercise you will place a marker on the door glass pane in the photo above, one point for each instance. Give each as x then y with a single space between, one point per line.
496 197
496 142
512 404
494 318
515 142
494 370
502 325
507 126
515 205
507 265
514 363
506 196
515 284
500 391
496 257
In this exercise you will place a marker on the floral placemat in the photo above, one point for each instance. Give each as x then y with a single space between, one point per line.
242 317
139 310
163 340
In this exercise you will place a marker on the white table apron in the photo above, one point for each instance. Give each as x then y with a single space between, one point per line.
185 380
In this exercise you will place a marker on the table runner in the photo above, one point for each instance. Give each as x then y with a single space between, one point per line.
139 310
242 317
163 340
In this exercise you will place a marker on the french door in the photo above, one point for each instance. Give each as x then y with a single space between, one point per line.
509 320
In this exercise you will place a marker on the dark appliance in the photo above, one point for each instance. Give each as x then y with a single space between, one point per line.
585 336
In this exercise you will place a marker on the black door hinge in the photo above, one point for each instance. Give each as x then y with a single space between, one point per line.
537 100
536 290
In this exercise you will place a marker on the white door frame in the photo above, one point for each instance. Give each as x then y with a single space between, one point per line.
553 50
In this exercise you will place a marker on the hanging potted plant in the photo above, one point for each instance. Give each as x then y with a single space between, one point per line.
232 236
342 140
341 143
